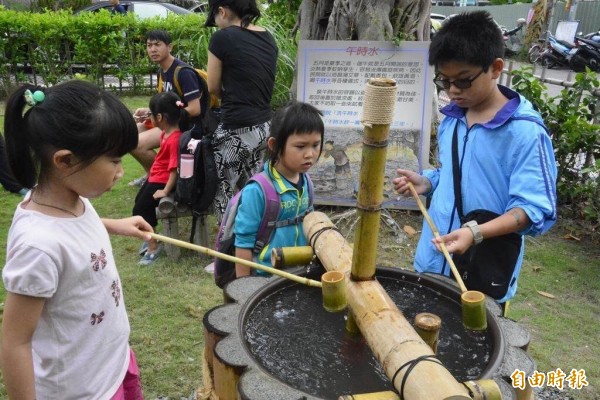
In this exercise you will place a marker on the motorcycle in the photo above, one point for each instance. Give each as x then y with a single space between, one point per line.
551 53
513 39
586 53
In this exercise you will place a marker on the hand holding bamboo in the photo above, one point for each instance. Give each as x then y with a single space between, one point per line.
455 272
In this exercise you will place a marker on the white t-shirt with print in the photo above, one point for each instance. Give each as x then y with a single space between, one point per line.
80 345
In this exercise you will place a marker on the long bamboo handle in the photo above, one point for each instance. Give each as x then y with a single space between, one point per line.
227 257
455 272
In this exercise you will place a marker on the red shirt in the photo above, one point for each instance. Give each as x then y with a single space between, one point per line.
167 158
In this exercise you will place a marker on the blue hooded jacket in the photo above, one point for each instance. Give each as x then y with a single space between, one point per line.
252 208
507 162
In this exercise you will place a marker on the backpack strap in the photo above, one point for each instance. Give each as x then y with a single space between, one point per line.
272 207
160 80
269 222
204 95
311 192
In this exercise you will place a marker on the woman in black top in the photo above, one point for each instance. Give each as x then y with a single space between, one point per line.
242 61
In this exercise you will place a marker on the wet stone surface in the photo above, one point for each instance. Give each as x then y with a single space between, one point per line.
285 330
552 393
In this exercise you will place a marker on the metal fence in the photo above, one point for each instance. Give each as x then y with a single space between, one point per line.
541 74
587 12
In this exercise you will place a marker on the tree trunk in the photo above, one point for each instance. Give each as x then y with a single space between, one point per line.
364 19
392 20
539 22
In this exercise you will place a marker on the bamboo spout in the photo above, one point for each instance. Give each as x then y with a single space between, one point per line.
391 337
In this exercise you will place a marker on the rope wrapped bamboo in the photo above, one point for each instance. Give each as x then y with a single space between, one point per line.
378 112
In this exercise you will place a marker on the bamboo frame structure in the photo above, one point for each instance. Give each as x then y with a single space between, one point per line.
227 257
390 336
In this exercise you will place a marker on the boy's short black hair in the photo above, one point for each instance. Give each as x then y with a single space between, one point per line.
471 37
159 35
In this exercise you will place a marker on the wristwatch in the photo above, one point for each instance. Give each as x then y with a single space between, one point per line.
477 236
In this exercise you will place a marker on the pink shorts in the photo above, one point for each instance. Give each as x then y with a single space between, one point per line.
131 388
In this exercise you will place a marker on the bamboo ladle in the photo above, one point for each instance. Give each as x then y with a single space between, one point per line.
431 224
227 257
473 302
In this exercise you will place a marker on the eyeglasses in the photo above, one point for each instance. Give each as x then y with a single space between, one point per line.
463 83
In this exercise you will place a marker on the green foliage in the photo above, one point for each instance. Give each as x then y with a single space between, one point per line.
285 13
41 5
286 61
55 46
572 119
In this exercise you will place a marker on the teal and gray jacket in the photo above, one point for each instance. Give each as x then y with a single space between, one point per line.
294 202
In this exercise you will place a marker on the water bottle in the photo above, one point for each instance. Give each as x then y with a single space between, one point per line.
187 166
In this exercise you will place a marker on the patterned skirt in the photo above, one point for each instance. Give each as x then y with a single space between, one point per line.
239 154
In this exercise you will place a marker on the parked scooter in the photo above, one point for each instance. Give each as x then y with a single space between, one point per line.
586 53
552 53
513 39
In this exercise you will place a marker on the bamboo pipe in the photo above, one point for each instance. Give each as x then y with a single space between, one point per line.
390 336
388 395
455 272
428 326
227 257
378 111
484 389
334 291
287 256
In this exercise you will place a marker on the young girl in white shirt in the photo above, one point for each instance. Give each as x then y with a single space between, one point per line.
65 331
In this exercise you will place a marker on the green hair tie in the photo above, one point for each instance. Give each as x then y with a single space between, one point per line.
34 98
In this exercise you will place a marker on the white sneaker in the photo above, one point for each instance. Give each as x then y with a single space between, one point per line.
139 181
210 268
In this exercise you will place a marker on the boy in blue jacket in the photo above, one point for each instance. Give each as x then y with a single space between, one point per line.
503 155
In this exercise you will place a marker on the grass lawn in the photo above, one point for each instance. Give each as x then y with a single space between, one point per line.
558 299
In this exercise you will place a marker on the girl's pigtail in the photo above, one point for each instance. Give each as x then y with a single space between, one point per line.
18 148
184 119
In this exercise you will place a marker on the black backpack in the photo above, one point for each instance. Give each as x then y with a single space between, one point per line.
199 190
